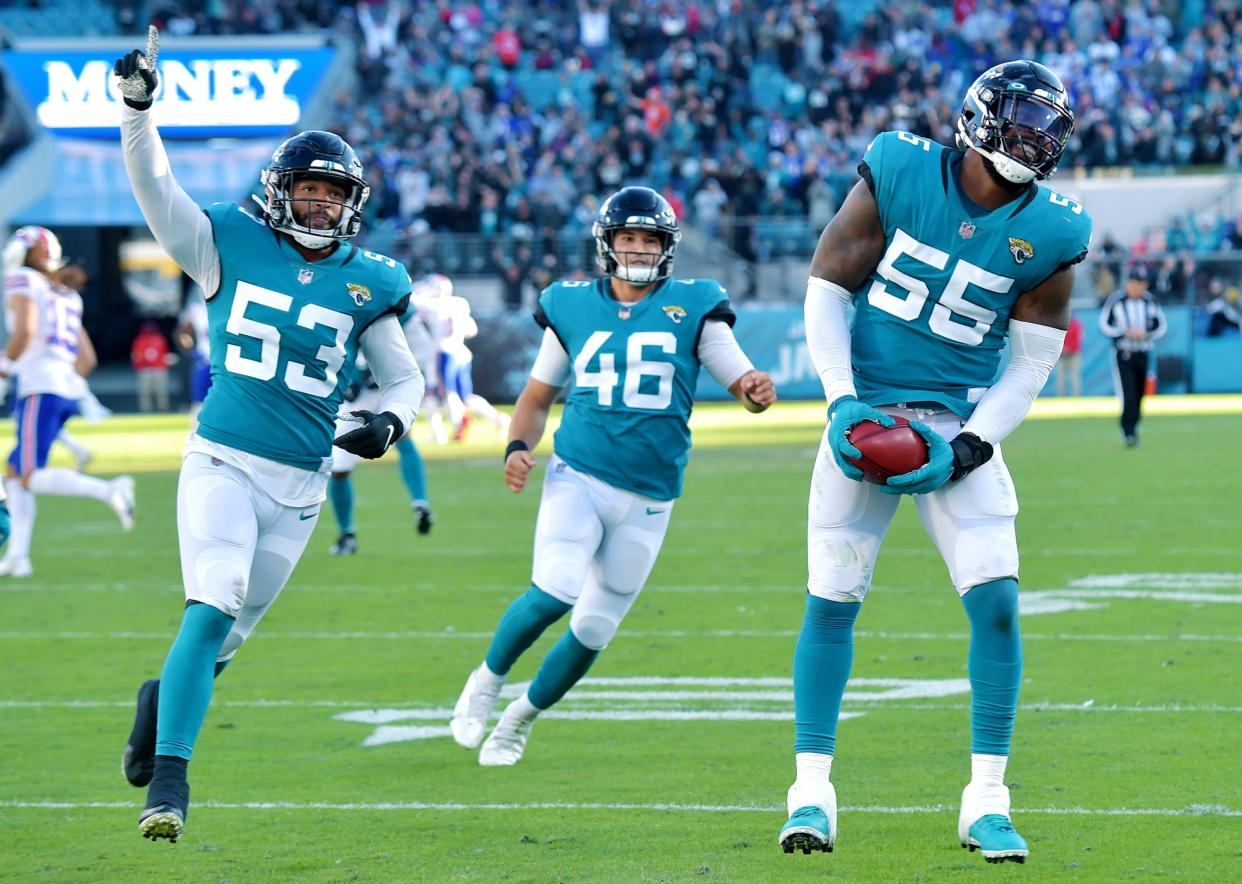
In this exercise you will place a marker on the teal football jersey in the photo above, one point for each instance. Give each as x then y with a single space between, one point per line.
931 321
635 367
284 336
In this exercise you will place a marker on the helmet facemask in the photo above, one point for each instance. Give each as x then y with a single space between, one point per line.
278 187
621 264
1021 134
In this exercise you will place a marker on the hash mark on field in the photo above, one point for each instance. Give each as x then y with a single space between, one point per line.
1191 810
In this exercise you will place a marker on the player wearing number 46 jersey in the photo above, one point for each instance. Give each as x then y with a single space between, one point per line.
945 255
290 303
633 343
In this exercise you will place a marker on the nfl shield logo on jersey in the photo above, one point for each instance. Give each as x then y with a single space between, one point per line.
360 293
305 275
966 230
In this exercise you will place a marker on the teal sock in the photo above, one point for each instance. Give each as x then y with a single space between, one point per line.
185 684
413 473
341 493
995 664
521 625
565 664
822 660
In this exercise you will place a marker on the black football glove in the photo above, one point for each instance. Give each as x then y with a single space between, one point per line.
969 453
373 438
137 72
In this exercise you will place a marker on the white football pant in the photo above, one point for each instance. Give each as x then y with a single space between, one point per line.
595 546
971 521
238 545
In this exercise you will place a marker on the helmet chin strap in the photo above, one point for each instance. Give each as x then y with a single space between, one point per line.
1007 167
637 274
312 242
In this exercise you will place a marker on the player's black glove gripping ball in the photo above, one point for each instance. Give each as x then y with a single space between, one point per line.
373 438
136 73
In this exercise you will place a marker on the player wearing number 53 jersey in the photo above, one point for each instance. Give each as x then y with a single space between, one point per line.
944 255
632 343
289 303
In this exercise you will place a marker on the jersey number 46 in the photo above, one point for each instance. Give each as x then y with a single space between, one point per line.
605 379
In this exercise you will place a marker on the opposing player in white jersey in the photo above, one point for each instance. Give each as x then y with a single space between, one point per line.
290 303
410 461
90 409
451 325
48 352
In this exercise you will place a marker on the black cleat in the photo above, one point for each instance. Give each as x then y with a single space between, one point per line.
346 545
168 801
138 759
424 518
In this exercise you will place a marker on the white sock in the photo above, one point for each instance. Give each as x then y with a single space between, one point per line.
22 512
813 765
522 709
482 408
988 770
487 677
77 448
58 480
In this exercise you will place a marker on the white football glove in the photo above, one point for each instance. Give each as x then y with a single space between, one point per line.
135 72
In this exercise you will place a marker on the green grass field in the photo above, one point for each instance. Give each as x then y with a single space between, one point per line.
325 755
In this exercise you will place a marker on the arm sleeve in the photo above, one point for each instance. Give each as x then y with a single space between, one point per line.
828 337
721 354
400 381
1107 325
1033 351
552 364
178 224
1161 324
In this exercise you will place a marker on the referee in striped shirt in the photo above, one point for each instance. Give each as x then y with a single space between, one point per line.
1133 319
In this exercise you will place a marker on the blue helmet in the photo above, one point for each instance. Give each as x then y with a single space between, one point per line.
635 208
314 154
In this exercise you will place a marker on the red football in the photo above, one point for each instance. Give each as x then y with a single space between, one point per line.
887 451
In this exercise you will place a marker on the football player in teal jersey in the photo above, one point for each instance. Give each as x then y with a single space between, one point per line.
290 304
945 255
632 342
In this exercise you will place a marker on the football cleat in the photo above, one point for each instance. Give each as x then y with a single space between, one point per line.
996 837
984 824
121 499
811 826
138 759
346 545
15 567
506 744
474 708
83 459
424 518
459 435
168 802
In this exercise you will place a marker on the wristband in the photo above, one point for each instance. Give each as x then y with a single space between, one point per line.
515 445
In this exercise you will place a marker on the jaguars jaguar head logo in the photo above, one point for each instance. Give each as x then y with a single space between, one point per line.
1021 249
360 293
675 313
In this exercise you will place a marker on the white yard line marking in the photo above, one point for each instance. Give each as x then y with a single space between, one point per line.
1192 810
452 634
412 709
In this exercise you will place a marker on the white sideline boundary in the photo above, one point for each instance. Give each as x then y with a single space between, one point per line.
1193 810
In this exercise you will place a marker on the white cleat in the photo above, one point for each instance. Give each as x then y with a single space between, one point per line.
506 744
15 568
474 707
121 499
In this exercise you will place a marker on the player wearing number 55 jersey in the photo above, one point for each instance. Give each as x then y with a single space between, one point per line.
289 304
632 343
944 255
